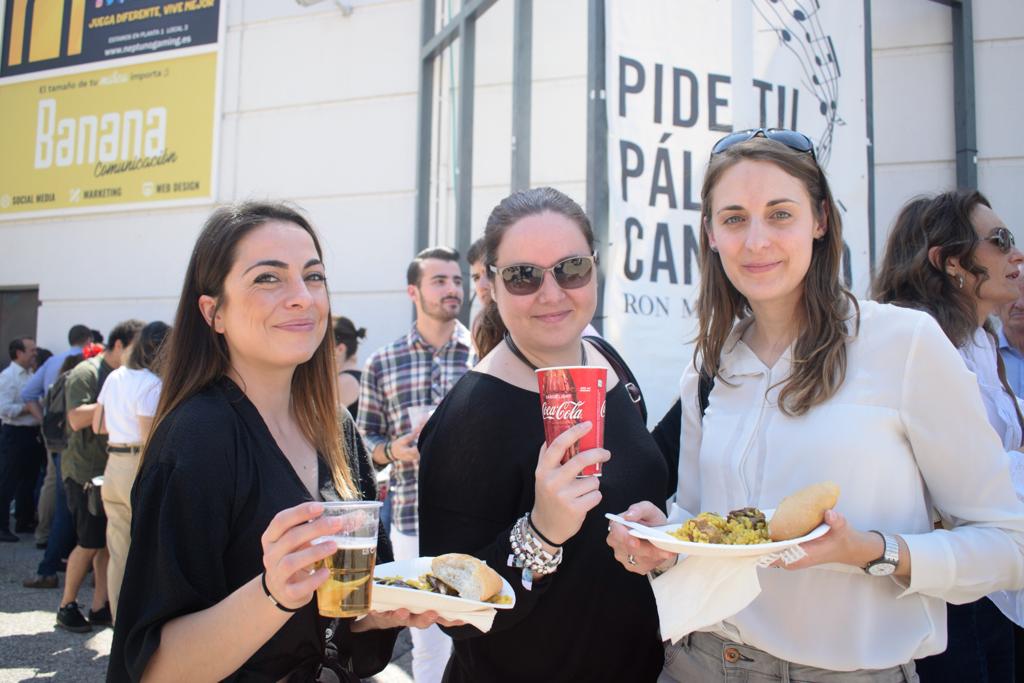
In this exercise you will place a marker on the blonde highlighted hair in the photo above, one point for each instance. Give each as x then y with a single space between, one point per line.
195 355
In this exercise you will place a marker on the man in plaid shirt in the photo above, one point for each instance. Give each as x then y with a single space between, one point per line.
402 383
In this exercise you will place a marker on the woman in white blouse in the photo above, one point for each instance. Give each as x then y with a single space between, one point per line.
810 386
953 257
128 402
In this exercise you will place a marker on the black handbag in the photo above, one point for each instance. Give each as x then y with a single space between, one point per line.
93 498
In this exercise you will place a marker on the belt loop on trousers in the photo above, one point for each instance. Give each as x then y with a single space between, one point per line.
784 670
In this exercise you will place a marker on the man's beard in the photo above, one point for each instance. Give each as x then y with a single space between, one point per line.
438 311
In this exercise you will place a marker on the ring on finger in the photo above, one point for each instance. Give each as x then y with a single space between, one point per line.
631 559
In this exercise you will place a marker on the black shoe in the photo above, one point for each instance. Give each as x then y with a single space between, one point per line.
62 566
70 618
7 537
41 545
24 528
101 617
40 582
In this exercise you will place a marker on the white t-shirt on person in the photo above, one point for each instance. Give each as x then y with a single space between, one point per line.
126 395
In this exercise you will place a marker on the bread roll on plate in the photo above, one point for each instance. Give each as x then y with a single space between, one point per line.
473 579
802 511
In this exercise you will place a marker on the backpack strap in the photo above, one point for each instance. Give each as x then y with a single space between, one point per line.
704 386
623 372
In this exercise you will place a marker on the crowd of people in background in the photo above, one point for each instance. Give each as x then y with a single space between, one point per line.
184 466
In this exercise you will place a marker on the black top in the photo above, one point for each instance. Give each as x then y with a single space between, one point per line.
212 479
589 621
353 407
666 435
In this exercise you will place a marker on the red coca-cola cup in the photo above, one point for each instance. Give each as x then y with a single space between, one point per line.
571 395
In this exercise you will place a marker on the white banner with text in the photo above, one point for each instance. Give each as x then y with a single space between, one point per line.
680 76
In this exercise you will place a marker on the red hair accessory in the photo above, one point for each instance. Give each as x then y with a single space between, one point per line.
90 350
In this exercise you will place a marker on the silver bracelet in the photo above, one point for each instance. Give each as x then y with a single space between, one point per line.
528 553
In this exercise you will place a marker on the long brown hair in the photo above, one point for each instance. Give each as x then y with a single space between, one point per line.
509 211
196 356
144 353
488 330
819 354
908 277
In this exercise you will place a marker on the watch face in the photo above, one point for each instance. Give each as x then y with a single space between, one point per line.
881 569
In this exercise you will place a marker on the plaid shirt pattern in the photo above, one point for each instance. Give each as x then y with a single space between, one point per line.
407 373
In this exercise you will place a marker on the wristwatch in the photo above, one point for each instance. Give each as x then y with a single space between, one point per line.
886 564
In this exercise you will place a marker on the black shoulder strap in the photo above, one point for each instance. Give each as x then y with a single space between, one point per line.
704 387
623 372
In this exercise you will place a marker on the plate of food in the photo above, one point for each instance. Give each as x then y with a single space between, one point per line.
452 583
748 532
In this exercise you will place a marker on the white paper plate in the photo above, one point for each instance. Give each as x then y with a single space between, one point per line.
658 535
417 601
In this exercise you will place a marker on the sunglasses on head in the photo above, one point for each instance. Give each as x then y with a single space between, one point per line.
790 138
521 279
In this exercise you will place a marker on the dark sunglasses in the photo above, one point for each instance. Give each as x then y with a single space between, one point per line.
521 279
790 138
1003 239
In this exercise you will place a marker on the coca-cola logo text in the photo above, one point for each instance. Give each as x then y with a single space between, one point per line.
567 410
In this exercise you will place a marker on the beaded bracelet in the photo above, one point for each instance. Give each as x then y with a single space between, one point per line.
528 553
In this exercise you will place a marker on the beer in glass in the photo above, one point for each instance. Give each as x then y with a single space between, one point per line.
347 591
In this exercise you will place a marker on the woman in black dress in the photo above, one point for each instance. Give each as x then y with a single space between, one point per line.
246 441
579 616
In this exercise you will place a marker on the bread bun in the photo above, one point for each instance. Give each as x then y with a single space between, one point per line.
472 578
802 511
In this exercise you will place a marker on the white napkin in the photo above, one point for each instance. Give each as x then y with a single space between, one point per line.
482 618
701 591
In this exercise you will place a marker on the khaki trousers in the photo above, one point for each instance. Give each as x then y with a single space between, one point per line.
47 501
118 478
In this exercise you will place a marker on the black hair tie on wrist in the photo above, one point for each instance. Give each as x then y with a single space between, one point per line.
529 518
291 610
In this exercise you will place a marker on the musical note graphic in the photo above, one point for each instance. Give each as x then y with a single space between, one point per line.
799 30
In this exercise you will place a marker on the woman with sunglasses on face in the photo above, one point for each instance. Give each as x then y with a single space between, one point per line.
486 491
810 386
246 442
954 258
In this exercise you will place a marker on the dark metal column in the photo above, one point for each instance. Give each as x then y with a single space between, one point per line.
869 105
522 75
464 145
424 116
963 95
597 144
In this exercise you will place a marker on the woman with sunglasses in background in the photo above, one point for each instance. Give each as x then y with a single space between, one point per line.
485 490
952 256
811 386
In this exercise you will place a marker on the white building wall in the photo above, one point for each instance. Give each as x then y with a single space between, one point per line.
320 108
915 146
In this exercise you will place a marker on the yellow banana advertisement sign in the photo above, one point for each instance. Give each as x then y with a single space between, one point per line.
133 134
